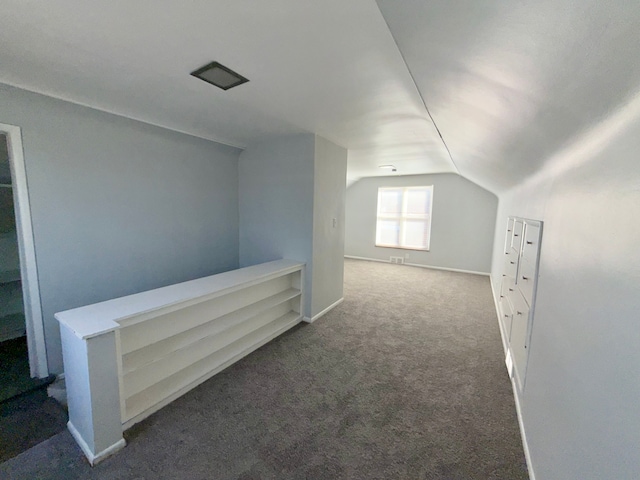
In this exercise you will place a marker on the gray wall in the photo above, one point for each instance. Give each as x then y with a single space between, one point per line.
462 227
580 404
328 241
291 188
119 206
276 202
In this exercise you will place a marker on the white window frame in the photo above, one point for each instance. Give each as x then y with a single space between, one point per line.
403 218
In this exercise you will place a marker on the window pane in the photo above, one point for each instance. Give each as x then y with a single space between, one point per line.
404 217
418 201
387 232
389 201
415 234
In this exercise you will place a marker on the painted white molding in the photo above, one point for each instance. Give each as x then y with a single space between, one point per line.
366 258
38 365
323 312
98 457
523 434
103 317
473 272
516 397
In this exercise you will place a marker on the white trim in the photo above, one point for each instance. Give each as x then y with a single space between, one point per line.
326 310
473 272
523 435
26 246
458 270
97 457
367 258
516 397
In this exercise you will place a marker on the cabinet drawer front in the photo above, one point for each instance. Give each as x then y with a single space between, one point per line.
506 308
519 304
527 280
506 316
509 235
531 243
518 340
511 264
518 230
508 287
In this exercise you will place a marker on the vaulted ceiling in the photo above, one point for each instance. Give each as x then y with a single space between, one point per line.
489 89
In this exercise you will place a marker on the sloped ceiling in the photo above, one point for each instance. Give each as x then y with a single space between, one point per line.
506 83
329 67
511 83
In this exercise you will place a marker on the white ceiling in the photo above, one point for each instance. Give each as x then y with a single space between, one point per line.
510 83
507 83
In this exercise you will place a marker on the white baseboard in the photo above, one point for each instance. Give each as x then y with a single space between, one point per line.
326 310
523 435
94 458
473 272
367 258
516 397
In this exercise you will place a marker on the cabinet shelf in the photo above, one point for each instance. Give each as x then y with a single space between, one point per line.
155 351
145 402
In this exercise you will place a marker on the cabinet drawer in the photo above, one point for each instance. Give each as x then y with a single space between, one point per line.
507 290
527 276
518 230
509 235
531 242
508 287
510 264
506 316
518 339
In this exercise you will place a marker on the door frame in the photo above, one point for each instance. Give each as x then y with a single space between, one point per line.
26 247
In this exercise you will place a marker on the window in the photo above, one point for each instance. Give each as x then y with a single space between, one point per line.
404 217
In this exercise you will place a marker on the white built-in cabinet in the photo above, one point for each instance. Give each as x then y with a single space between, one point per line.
128 357
518 291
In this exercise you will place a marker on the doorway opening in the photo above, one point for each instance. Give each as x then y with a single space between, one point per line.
17 255
20 311
14 356
27 415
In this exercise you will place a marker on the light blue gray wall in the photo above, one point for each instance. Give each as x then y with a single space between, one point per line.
291 188
276 202
328 238
462 228
119 206
580 403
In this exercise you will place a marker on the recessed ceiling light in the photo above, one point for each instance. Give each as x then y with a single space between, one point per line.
219 75
388 167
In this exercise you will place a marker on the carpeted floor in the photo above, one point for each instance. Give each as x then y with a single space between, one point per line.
404 380
15 378
27 420
27 415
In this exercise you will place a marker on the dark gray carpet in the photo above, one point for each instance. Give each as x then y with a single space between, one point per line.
27 420
27 415
404 380
15 378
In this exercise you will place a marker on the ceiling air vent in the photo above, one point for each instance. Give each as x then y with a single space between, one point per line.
219 75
